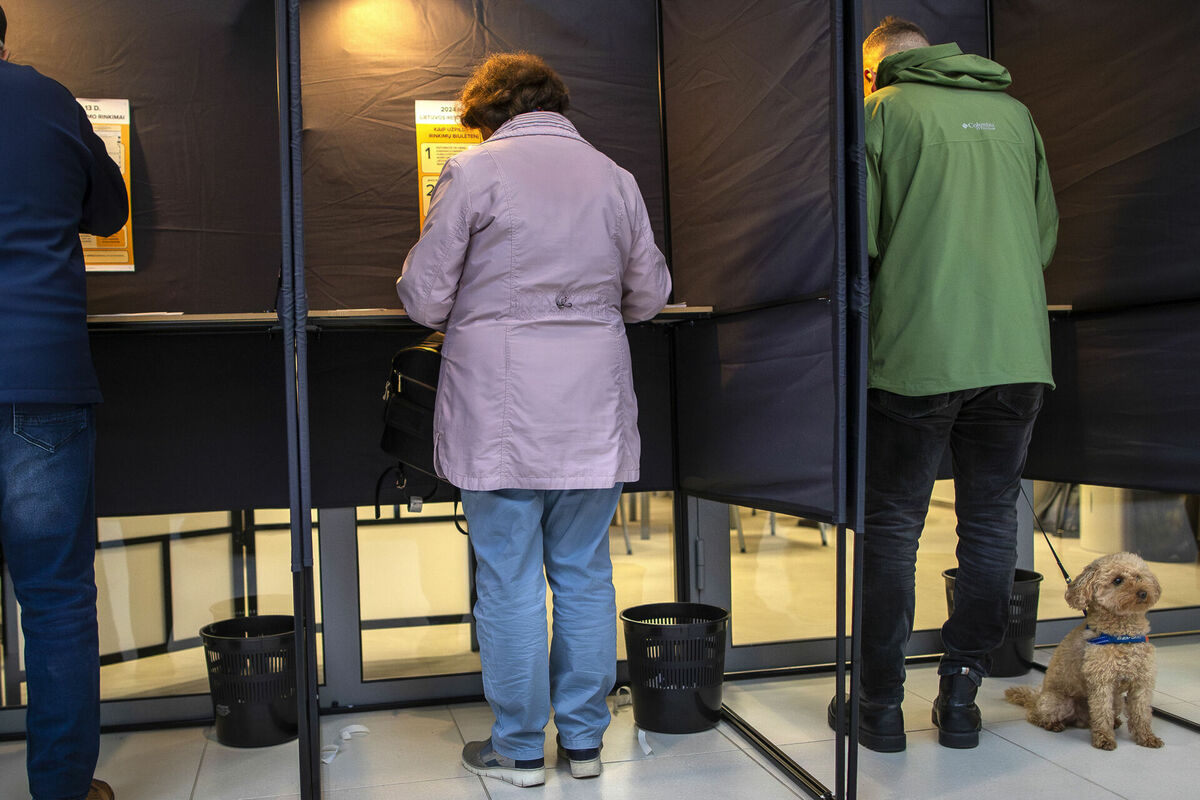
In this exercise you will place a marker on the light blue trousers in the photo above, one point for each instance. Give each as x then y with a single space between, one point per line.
516 533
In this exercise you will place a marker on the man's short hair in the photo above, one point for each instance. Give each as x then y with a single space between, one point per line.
893 35
3 26
508 84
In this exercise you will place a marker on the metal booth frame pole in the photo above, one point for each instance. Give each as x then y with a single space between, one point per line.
293 313
853 288
841 772
683 579
858 312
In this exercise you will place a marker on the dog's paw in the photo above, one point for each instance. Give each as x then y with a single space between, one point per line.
1054 726
1103 741
1149 741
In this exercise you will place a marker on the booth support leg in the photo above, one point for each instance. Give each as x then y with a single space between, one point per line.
624 528
645 515
735 521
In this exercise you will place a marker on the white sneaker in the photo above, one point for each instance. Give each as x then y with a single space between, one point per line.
585 763
481 759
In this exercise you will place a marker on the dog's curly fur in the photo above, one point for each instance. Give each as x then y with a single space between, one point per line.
1089 685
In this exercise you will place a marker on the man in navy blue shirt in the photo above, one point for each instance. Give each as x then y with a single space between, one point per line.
56 181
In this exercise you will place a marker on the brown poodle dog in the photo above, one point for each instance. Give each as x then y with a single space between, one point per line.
1105 665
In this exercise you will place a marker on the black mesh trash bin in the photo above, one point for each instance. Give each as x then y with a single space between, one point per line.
252 676
1014 656
676 655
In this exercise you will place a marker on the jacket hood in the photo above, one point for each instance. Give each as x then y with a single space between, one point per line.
942 65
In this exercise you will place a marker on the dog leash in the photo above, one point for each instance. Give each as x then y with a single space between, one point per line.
1100 638
1053 552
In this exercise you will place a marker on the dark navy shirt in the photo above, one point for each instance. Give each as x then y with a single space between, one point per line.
56 181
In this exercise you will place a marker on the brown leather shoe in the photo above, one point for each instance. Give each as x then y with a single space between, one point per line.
100 791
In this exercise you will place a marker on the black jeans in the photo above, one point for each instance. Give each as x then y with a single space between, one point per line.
988 432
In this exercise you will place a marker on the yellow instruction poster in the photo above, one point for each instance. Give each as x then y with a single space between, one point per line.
110 120
440 137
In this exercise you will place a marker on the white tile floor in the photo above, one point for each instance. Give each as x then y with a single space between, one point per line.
1014 759
413 753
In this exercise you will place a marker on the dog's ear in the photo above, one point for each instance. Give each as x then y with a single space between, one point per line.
1080 589
1155 586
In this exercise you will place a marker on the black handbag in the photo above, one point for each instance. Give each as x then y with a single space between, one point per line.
408 402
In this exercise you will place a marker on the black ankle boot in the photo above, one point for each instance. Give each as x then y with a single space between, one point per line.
955 713
880 725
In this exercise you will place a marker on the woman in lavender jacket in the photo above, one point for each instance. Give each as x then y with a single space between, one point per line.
535 253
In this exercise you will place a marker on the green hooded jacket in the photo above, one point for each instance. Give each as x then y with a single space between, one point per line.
961 223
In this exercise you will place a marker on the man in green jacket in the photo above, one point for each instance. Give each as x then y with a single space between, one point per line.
962 222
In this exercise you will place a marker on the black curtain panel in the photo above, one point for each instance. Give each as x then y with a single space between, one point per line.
961 21
200 78
204 150
750 159
748 135
751 147
1110 87
1122 138
364 63
757 409
1128 398
189 422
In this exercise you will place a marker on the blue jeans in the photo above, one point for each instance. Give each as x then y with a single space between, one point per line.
48 537
988 432
514 532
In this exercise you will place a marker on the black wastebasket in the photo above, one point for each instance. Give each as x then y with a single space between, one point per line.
252 676
1014 656
676 655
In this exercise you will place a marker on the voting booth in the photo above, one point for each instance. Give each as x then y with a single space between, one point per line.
280 158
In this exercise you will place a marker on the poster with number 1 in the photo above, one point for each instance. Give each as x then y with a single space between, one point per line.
440 137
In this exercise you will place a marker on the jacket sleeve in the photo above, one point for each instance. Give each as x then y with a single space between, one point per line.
106 203
646 283
428 283
874 145
1047 211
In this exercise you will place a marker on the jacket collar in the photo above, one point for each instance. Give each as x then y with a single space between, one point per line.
535 123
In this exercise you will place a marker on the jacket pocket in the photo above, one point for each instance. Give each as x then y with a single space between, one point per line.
1023 400
50 426
902 406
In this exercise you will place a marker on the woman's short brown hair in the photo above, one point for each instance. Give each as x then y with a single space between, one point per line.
508 84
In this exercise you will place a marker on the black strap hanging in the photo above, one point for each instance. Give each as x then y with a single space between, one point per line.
415 502
1038 522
